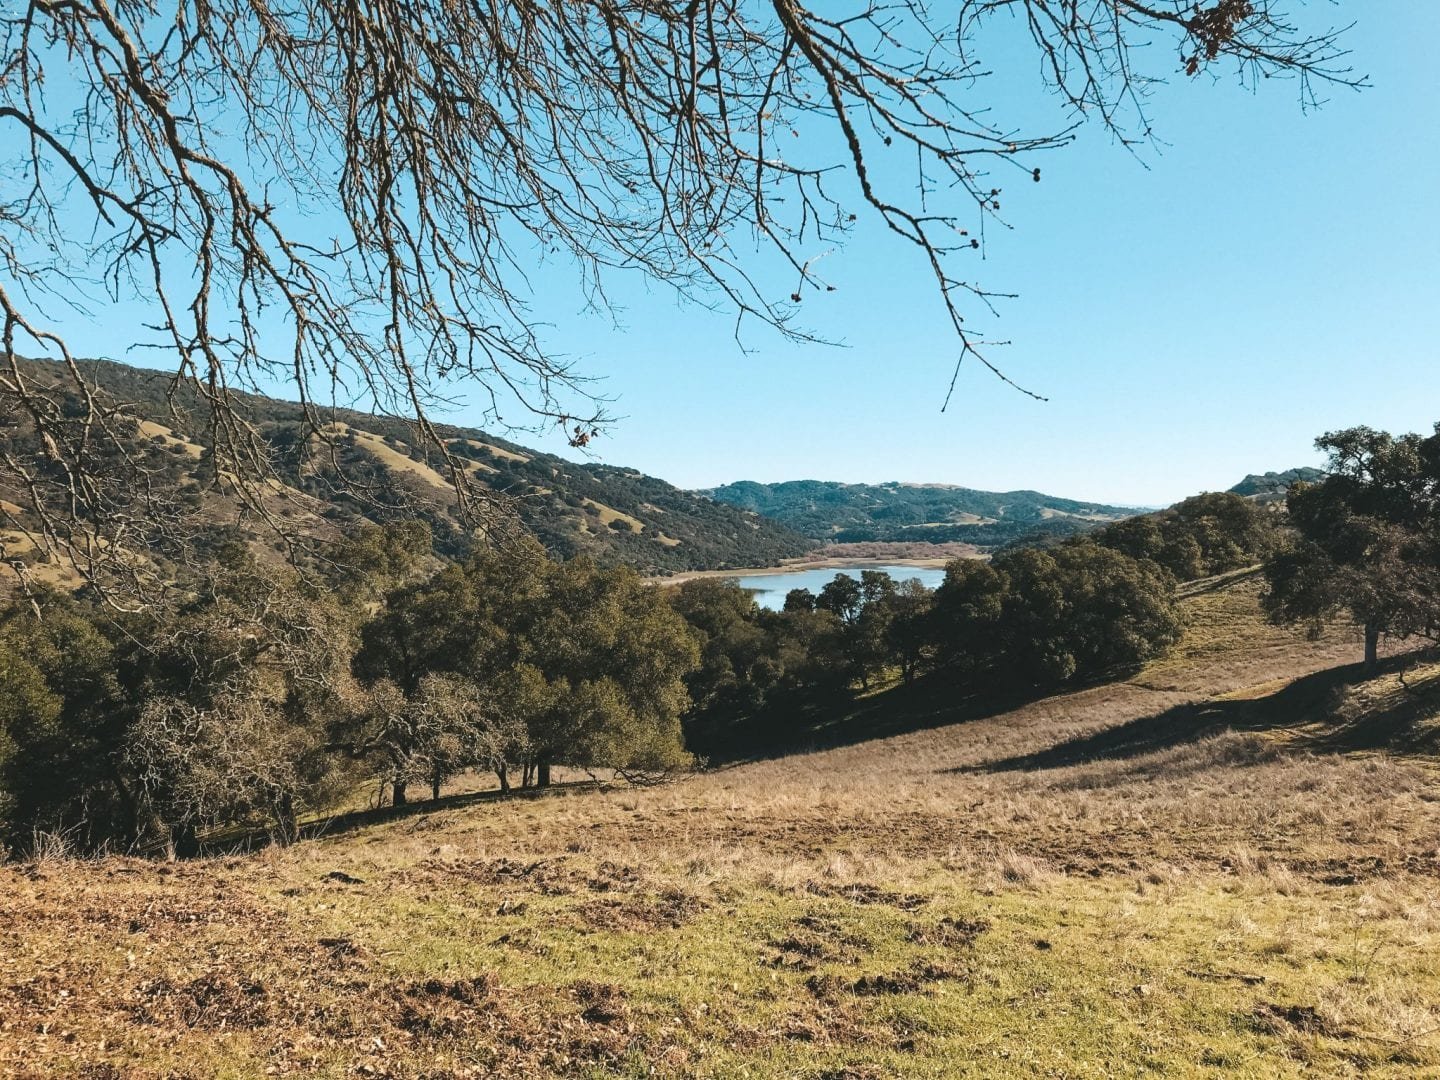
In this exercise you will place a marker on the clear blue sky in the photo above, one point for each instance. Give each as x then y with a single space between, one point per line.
1193 316
1199 313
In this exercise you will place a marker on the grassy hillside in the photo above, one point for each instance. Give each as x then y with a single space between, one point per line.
1225 865
1272 486
895 512
616 514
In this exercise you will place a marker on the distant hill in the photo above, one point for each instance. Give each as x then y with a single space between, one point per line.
1270 486
896 512
617 515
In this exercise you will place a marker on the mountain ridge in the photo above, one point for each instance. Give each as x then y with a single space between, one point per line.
614 513
901 511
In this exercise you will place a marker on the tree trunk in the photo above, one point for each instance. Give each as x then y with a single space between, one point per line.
132 807
286 824
1372 648
436 779
184 841
503 772
525 776
397 797
542 774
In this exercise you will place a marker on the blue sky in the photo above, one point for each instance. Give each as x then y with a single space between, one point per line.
1193 314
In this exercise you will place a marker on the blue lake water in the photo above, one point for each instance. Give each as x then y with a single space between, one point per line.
770 589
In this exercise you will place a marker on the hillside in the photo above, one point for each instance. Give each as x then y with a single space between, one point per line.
1226 864
1272 486
615 514
896 512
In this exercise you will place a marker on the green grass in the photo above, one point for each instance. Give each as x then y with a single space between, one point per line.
1110 882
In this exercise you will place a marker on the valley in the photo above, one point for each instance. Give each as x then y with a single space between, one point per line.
524 615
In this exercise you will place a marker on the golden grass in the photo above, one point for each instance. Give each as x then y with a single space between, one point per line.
609 514
150 429
398 462
498 451
1212 868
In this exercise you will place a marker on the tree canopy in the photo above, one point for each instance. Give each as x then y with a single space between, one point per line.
1367 539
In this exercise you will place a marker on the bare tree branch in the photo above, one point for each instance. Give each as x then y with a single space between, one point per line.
349 198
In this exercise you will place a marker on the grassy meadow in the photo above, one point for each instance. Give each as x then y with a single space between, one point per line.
1225 865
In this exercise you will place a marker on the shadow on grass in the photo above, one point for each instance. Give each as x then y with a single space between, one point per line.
355 820
1218 583
814 721
1399 721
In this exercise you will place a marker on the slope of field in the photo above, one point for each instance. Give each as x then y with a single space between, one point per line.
614 514
1225 865
896 512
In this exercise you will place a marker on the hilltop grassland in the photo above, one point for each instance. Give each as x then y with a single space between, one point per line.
1226 864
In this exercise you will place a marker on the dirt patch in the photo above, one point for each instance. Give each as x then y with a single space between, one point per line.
214 1001
635 914
577 1030
950 933
813 940
1284 1019
439 1008
614 877
545 876
911 980
860 892
342 950
601 1003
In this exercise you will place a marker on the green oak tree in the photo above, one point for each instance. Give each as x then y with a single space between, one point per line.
1366 540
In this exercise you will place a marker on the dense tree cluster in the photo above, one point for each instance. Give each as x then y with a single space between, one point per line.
1203 535
1030 618
269 696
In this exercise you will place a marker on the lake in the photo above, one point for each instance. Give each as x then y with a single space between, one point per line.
770 589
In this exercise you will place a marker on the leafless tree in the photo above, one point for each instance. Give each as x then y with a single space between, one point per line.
349 196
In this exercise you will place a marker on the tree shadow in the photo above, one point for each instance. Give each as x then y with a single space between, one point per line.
808 722
1397 721
354 820
1217 583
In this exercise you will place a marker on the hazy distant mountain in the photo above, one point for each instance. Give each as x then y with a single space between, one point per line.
894 512
1273 485
618 515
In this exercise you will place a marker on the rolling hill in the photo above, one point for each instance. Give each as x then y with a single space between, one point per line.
615 514
1224 865
1272 486
899 512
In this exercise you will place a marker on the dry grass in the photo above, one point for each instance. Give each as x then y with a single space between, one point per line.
609 513
498 451
150 429
397 462
1224 865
